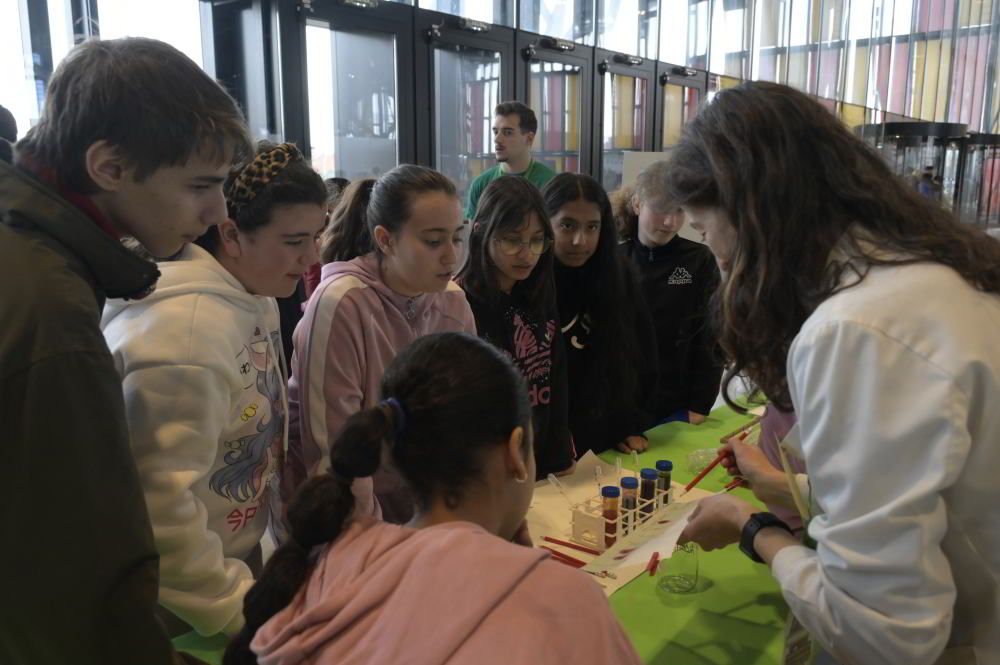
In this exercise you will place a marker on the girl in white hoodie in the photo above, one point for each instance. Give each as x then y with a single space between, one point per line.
204 385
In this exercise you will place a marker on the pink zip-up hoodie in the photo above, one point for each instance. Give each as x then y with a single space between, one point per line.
451 593
353 326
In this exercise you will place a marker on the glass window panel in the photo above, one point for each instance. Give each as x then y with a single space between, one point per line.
829 72
928 91
352 101
832 54
17 79
466 90
860 31
177 23
729 27
943 71
852 115
684 32
625 103
770 39
898 77
572 20
680 104
555 92
857 74
500 12
878 91
979 89
803 49
629 26
24 68
902 17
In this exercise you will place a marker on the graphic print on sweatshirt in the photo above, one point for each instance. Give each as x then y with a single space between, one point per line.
680 275
578 331
533 356
252 460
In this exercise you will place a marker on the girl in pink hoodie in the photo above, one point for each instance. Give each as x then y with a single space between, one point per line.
455 419
389 254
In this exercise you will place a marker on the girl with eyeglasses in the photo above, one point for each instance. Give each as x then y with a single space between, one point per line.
508 281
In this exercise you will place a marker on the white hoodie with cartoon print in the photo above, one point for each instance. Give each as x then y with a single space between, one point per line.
206 402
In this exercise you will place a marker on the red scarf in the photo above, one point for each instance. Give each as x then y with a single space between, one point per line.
81 202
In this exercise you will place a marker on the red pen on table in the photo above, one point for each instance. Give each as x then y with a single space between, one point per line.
704 472
574 546
564 558
654 563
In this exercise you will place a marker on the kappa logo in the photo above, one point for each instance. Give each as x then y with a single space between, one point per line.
680 276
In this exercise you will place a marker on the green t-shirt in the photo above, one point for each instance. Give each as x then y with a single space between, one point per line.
537 174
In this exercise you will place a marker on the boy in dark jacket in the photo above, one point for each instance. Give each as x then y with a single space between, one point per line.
677 277
135 140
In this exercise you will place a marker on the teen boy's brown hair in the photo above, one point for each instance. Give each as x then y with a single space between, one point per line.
122 92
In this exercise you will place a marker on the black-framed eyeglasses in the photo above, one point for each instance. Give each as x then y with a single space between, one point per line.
512 246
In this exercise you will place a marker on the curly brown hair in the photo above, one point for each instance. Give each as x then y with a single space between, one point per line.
795 184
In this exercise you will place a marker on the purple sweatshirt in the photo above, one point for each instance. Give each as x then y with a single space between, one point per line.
353 326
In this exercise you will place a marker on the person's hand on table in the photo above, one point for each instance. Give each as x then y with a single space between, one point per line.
567 471
696 418
766 482
636 443
716 522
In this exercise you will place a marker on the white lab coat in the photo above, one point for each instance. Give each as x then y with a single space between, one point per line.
896 384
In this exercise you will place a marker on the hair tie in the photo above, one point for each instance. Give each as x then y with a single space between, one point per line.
399 416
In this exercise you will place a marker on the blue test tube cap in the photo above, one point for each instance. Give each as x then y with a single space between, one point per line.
664 465
630 483
611 491
648 474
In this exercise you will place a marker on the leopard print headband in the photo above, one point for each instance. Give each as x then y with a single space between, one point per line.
252 178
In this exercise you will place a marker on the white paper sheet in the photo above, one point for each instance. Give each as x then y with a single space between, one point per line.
550 515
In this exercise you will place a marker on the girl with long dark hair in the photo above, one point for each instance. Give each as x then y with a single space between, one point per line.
607 332
874 313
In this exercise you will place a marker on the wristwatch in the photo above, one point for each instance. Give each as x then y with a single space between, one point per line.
757 522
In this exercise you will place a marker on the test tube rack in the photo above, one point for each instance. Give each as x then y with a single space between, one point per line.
590 526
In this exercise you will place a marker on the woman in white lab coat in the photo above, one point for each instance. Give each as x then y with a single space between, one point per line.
876 316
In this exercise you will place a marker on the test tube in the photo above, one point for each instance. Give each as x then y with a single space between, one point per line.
630 487
609 508
647 490
664 469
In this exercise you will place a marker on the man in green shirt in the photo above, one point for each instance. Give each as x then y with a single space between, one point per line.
514 130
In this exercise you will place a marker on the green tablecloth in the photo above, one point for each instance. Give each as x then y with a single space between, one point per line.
736 616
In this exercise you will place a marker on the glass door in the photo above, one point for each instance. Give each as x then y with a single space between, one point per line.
466 69
357 121
681 92
624 103
556 84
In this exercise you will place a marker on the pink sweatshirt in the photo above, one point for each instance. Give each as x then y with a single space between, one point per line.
353 326
451 593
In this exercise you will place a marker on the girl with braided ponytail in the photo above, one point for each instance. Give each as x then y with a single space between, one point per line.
389 252
454 418
204 384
